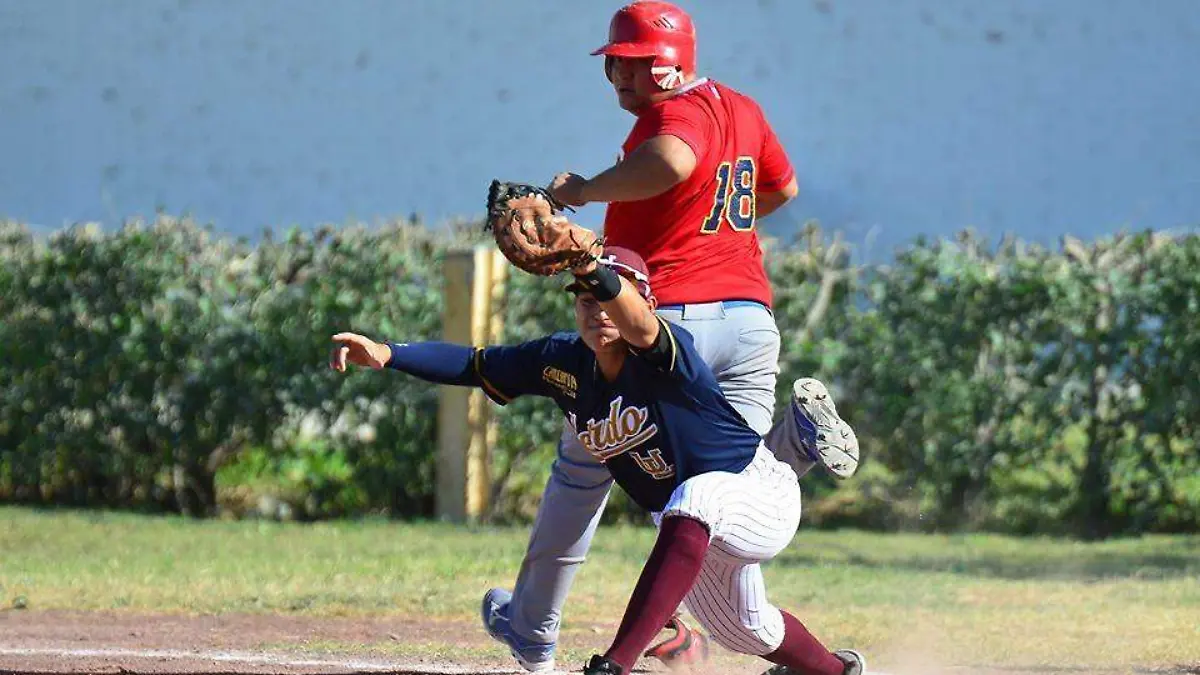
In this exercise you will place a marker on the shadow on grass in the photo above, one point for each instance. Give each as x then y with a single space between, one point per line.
1176 560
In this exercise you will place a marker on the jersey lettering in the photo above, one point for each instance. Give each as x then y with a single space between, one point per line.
734 199
623 429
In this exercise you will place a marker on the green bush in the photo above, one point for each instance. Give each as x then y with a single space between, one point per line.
1010 388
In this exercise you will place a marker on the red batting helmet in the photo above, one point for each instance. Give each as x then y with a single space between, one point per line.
658 30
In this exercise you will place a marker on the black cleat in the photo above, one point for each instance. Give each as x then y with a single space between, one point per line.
602 666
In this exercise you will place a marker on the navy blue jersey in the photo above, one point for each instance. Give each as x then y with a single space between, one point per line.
662 421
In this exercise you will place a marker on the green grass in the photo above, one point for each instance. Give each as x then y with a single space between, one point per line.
929 599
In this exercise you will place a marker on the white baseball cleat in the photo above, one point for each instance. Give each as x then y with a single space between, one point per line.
823 434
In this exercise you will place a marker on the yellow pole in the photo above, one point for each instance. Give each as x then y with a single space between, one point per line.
474 283
454 402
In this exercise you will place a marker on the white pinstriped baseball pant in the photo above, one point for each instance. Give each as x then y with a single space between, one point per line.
751 517
741 344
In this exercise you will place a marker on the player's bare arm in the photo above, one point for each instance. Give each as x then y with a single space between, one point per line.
654 167
766 203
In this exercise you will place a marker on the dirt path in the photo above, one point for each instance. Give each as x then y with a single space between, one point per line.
115 642
72 643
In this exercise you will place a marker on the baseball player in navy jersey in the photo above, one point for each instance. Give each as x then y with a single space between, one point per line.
700 166
648 409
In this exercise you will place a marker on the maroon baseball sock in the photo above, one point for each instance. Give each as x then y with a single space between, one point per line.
803 652
666 578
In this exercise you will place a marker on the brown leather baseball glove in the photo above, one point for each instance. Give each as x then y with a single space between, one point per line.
529 232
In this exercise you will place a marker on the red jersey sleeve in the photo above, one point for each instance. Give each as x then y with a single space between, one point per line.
774 168
688 123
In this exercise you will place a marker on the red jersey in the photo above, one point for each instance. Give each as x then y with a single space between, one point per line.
698 238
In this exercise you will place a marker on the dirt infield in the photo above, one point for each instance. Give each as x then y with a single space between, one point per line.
74 643
115 642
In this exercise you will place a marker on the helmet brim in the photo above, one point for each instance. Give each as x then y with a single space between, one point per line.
629 50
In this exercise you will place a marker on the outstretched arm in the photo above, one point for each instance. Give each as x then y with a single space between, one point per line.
440 362
502 372
632 315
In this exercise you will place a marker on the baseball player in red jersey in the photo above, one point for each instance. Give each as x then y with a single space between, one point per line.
698 169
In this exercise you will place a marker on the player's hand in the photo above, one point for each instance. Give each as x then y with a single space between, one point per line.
586 268
568 189
359 350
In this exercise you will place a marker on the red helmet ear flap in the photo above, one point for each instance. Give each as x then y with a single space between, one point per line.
667 77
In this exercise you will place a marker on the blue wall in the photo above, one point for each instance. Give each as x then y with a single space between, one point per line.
904 116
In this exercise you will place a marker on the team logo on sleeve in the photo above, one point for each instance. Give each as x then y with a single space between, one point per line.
624 428
560 380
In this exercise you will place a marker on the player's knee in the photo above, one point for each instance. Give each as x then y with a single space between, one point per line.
753 638
749 644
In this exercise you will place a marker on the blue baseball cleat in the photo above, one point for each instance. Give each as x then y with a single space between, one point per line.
823 434
535 657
